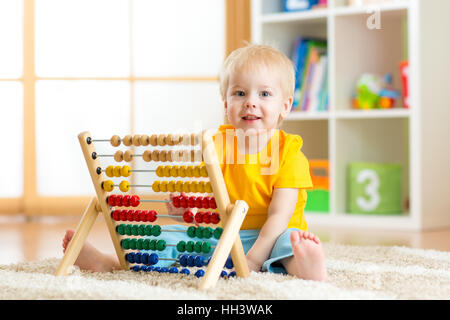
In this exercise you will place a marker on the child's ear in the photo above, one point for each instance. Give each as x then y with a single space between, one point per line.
287 106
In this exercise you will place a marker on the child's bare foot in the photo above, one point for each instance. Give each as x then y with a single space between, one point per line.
90 258
309 259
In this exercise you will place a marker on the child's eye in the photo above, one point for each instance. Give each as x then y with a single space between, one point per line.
265 93
239 93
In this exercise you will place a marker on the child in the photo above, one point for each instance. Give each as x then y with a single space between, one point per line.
257 84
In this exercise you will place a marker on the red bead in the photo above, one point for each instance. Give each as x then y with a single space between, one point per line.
142 215
198 202
176 202
183 201
136 216
126 200
134 201
123 215
198 217
112 200
129 215
118 200
116 215
151 215
205 203
212 203
207 217
188 216
191 202
215 218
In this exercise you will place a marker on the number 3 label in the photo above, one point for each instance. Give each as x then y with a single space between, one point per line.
371 190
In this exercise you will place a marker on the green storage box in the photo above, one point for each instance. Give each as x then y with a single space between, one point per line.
318 201
374 188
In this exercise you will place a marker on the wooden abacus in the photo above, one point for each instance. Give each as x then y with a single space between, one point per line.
230 215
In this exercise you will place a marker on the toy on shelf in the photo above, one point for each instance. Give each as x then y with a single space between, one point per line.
318 197
404 72
301 5
130 231
374 92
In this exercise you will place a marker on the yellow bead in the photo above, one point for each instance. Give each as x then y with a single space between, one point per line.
125 171
182 171
108 185
179 186
163 186
171 186
174 171
167 171
186 186
193 186
201 186
208 187
124 186
109 171
155 186
189 171
196 172
203 171
116 171
160 171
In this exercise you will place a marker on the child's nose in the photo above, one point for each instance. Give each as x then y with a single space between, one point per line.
250 103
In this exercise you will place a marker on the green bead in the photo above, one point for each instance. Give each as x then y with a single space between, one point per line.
142 230
191 232
161 245
125 244
190 246
207 232
133 244
156 230
148 230
153 244
139 244
120 229
146 244
135 230
218 232
206 247
198 246
181 246
128 230
199 232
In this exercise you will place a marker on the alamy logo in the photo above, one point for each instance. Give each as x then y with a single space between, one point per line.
374 20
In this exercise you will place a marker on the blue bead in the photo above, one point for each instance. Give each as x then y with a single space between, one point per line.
229 263
137 257
144 258
150 268
232 274
152 259
183 260
130 257
136 268
223 273
164 270
199 261
185 271
191 260
173 270
157 269
200 273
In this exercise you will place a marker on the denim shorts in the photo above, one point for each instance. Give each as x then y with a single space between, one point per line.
281 249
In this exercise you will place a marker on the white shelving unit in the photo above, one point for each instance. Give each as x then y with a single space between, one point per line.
417 138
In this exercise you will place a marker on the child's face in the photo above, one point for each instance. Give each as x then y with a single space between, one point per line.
254 100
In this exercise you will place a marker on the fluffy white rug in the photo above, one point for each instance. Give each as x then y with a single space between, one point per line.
354 272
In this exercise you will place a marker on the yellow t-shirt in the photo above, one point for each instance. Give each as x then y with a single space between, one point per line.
253 177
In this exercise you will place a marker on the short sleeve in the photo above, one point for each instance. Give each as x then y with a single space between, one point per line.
294 167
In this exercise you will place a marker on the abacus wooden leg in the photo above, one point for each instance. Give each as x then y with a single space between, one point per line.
79 237
227 240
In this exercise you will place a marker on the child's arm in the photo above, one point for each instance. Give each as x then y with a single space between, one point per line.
281 208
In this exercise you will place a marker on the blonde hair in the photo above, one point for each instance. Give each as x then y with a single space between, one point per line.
252 57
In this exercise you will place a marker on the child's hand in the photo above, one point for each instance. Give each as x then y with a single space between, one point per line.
177 213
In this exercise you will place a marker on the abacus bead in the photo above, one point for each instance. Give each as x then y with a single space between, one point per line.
215 218
124 186
109 171
116 215
112 200
128 156
193 186
123 215
125 171
212 203
147 156
163 186
188 216
119 200
148 230
191 232
205 203
144 140
139 243
185 271
142 230
160 171
155 186
198 202
207 233
153 244
153 258
154 140
171 186
183 260
190 202
196 172
129 215
199 217
223 274
120 229
144 258
137 257
135 215
217 232
176 202
186 186
127 140
189 170
128 230
157 269
174 171
232 274
115 141
199 273
181 246
142 215
118 156
208 187
162 140
156 230
152 215
136 140
198 246
203 171
136 268
229 263
146 244
116 171
133 244
108 185
199 232
166 171
134 201
161 245
173 270
191 261
130 257
155 155
190 246
126 201
199 261
125 243
183 201
182 171
207 217
179 186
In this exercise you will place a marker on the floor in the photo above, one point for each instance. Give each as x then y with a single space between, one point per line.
22 240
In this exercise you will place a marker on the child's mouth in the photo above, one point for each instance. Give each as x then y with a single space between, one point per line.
251 118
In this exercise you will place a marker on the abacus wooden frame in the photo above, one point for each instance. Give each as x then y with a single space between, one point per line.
231 216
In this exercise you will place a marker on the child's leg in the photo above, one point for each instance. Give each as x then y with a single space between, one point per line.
308 261
90 258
